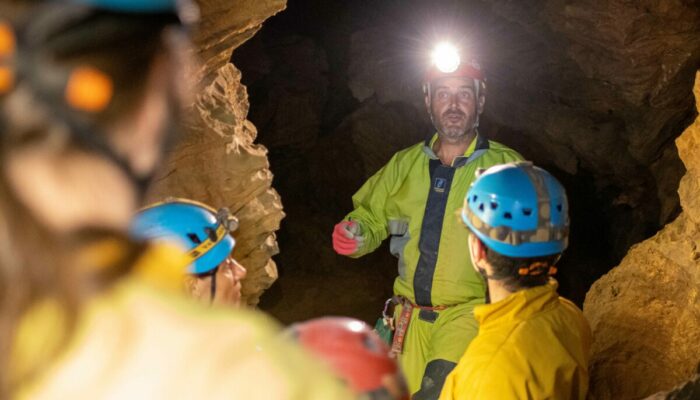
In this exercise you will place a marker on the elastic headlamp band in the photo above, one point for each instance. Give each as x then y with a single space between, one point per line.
208 244
84 88
538 268
8 48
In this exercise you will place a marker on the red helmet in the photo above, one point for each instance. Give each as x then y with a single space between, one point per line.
446 63
470 69
355 353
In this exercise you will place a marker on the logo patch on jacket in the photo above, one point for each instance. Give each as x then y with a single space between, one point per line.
440 184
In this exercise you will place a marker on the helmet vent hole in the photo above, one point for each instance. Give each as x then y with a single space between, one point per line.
474 198
481 207
194 238
211 233
507 215
559 207
527 212
494 205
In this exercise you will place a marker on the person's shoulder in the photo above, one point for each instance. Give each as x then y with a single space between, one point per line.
499 374
416 148
408 154
503 151
570 306
575 314
247 347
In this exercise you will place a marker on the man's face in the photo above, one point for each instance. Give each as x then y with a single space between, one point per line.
228 284
454 107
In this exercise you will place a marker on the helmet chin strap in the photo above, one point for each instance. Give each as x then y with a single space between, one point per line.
212 291
95 142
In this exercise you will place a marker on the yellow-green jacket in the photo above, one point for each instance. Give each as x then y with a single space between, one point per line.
414 198
531 345
140 341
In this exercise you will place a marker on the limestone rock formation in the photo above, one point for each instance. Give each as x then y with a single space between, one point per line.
645 313
225 25
217 161
687 391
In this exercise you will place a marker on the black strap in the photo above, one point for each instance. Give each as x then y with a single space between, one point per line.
434 379
213 286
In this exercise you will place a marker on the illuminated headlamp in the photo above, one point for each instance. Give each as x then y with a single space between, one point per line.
446 62
445 58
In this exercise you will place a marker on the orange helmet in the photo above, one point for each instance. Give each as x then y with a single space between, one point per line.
355 353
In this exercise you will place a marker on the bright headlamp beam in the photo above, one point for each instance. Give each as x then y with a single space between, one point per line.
446 58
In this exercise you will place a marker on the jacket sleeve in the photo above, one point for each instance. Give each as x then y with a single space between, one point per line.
370 206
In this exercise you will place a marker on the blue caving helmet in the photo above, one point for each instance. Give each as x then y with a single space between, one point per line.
204 232
131 5
186 10
518 210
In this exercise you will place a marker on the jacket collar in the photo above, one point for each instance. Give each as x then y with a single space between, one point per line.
519 306
478 143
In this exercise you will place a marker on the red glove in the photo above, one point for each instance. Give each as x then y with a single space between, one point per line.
346 237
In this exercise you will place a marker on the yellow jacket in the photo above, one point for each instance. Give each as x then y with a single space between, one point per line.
139 341
531 345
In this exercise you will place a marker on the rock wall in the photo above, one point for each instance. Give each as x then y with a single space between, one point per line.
645 313
223 26
687 391
217 161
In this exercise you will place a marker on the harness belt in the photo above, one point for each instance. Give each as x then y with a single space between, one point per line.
401 326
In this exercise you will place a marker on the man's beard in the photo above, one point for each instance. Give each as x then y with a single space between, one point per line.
453 130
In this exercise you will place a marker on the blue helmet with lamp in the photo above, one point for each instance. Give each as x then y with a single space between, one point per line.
132 5
204 232
518 210
186 10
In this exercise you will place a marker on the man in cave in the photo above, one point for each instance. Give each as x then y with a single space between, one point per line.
413 199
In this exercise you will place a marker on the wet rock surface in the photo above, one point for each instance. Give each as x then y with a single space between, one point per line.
223 26
687 391
645 313
217 160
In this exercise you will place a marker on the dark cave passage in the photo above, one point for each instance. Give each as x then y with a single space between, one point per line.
335 91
